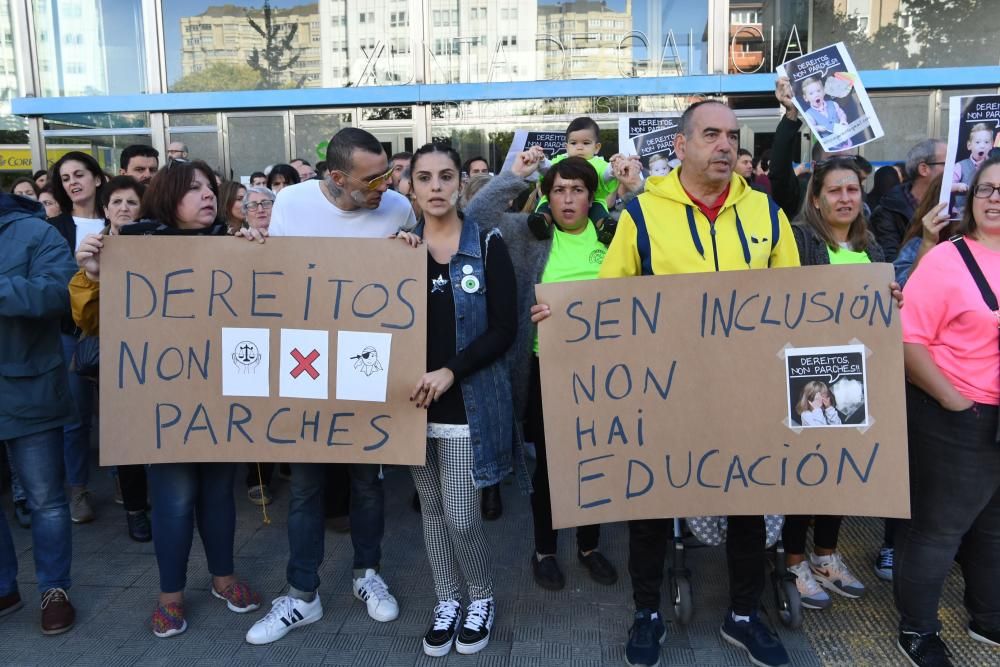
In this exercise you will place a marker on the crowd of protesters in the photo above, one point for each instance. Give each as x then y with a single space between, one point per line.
577 217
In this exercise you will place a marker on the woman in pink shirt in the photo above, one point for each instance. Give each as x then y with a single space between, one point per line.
953 368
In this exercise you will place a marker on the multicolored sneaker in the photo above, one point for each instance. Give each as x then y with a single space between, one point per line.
168 620
832 574
239 597
811 594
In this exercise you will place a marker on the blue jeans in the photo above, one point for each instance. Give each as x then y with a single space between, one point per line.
16 489
76 441
37 458
305 521
955 501
180 493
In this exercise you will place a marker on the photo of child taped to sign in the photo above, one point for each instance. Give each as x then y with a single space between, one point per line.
973 137
826 386
832 99
651 138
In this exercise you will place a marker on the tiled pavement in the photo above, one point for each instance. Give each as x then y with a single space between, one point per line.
115 584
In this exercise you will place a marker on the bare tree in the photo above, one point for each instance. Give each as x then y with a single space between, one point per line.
278 55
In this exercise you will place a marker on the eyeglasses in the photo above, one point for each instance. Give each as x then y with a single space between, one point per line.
264 204
372 184
985 190
933 164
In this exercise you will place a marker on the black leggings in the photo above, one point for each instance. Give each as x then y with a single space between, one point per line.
825 532
587 537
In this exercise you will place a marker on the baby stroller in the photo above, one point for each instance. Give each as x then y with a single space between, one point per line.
711 531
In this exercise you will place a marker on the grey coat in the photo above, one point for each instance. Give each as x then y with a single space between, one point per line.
489 209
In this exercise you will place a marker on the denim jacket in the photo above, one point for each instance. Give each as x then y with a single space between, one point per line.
497 442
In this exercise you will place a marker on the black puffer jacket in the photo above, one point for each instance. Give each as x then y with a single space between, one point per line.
891 218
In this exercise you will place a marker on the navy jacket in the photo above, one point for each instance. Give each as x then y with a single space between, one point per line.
35 270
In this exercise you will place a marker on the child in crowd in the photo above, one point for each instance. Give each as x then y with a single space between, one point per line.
659 165
826 114
583 139
817 405
978 144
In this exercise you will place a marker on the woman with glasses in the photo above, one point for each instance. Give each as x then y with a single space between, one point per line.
182 201
950 347
257 205
832 229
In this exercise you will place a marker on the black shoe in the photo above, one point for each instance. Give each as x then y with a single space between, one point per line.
981 634
600 568
475 632
547 573
22 513
492 504
441 636
139 528
644 639
539 226
924 650
606 230
416 502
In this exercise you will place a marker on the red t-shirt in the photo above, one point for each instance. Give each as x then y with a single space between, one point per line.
711 212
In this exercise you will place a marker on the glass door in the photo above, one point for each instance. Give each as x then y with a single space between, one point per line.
254 141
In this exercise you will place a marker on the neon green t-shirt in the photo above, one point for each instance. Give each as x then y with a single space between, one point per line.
573 257
846 256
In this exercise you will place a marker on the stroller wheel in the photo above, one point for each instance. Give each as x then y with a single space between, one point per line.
680 593
788 603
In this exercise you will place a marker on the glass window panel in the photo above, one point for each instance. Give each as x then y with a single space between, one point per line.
201 146
765 33
899 34
13 129
254 143
90 47
904 120
313 132
192 120
108 121
106 148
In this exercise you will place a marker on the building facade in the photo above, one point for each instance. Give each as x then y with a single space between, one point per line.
250 83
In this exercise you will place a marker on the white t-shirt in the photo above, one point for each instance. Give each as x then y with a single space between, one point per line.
303 210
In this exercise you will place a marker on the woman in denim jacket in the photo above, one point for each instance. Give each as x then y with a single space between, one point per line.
471 437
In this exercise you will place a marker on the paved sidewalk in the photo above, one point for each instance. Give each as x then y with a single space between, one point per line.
115 583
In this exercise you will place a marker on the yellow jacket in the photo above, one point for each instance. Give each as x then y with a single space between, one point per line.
84 300
662 232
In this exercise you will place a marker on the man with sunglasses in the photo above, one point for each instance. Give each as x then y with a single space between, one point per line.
352 201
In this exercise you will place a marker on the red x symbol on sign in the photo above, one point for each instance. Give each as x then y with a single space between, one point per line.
305 363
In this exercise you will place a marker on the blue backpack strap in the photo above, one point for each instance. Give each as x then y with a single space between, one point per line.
775 222
634 209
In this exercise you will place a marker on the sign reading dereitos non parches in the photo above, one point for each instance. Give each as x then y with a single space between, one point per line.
217 349
749 392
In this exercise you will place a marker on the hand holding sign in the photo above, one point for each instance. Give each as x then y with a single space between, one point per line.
783 92
88 255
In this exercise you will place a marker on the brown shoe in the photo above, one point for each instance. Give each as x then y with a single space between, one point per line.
10 603
57 612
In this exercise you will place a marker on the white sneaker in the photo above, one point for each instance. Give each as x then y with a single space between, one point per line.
287 613
832 574
475 633
811 594
372 590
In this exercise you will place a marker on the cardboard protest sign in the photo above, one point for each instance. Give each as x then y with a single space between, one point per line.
652 139
831 98
740 392
553 143
973 131
300 350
